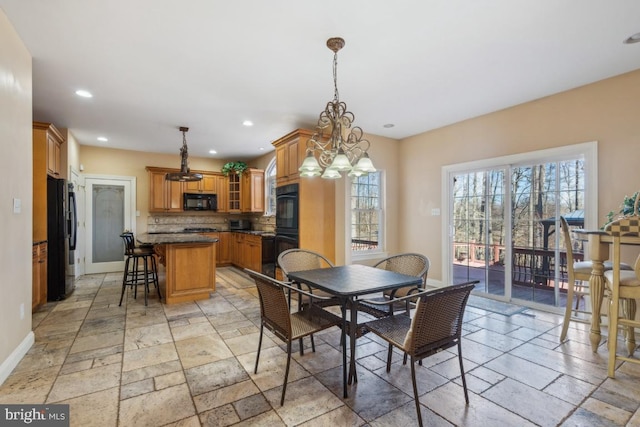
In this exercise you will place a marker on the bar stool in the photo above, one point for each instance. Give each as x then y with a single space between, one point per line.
133 276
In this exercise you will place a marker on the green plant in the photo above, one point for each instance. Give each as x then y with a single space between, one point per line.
234 167
626 208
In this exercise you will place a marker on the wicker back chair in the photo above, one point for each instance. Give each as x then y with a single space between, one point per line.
298 259
275 315
623 286
411 264
436 326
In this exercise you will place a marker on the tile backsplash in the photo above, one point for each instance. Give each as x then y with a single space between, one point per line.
168 223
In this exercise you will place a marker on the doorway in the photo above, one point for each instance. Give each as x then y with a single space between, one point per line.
503 215
110 209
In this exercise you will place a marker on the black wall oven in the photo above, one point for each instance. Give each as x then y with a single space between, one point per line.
287 209
286 219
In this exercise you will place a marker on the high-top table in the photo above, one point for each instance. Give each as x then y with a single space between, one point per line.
348 283
599 243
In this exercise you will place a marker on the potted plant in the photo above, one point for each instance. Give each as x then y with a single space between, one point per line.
234 167
626 208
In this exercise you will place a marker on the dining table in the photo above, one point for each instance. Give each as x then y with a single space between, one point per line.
349 283
598 248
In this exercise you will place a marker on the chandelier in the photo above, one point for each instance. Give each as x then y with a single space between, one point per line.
184 174
335 147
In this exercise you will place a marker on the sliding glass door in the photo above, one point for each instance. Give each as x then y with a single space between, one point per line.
503 222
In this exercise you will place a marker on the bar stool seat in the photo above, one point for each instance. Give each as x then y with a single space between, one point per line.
133 275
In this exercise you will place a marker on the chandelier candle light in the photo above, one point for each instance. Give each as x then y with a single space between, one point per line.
184 174
339 147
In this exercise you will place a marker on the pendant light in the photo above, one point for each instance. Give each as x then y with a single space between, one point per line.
184 174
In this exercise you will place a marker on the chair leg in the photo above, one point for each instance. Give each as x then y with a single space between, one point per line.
613 336
255 370
146 280
286 372
124 279
464 381
389 354
415 390
630 314
567 311
154 271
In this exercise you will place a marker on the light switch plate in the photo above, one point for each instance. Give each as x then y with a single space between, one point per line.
17 205
435 212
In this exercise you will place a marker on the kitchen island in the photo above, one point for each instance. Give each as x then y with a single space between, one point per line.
190 264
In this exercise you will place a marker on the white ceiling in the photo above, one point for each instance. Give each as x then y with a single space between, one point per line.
155 65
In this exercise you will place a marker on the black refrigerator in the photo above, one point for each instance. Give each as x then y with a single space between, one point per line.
61 235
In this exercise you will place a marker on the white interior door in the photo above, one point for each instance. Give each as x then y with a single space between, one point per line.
110 209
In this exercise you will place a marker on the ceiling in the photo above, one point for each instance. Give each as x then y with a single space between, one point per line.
155 65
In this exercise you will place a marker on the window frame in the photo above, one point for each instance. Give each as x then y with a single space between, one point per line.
270 188
380 251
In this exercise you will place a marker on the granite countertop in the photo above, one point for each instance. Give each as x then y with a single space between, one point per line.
256 233
168 238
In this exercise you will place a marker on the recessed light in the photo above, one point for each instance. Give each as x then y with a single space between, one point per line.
388 125
633 39
261 148
102 139
213 152
247 123
84 93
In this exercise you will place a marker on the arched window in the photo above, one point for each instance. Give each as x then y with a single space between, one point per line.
270 188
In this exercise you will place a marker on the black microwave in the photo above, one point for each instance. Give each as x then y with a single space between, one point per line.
200 202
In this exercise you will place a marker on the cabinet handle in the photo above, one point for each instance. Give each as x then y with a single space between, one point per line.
41 261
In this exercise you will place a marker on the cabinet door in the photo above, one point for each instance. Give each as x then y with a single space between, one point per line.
206 185
253 191
234 192
224 255
164 195
281 162
157 192
253 253
53 156
174 195
222 192
293 162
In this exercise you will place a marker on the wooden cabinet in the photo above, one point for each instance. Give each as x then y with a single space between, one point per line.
46 161
224 250
39 275
246 191
223 256
206 185
246 251
48 141
233 180
290 152
222 191
252 191
164 196
316 196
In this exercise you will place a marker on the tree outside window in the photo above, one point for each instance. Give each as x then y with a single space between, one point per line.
367 213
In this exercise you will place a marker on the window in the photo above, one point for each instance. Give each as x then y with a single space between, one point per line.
270 189
367 214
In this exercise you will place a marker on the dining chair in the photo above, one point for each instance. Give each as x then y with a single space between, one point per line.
298 259
276 316
578 275
133 275
411 264
622 285
435 326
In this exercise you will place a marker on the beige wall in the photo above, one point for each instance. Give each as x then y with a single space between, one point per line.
605 111
16 165
105 161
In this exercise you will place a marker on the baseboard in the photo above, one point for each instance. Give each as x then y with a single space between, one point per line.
16 356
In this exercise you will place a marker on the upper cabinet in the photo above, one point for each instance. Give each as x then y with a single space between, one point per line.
47 141
206 185
164 196
246 191
252 190
290 152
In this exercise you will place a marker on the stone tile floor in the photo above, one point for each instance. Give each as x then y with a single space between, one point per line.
191 364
